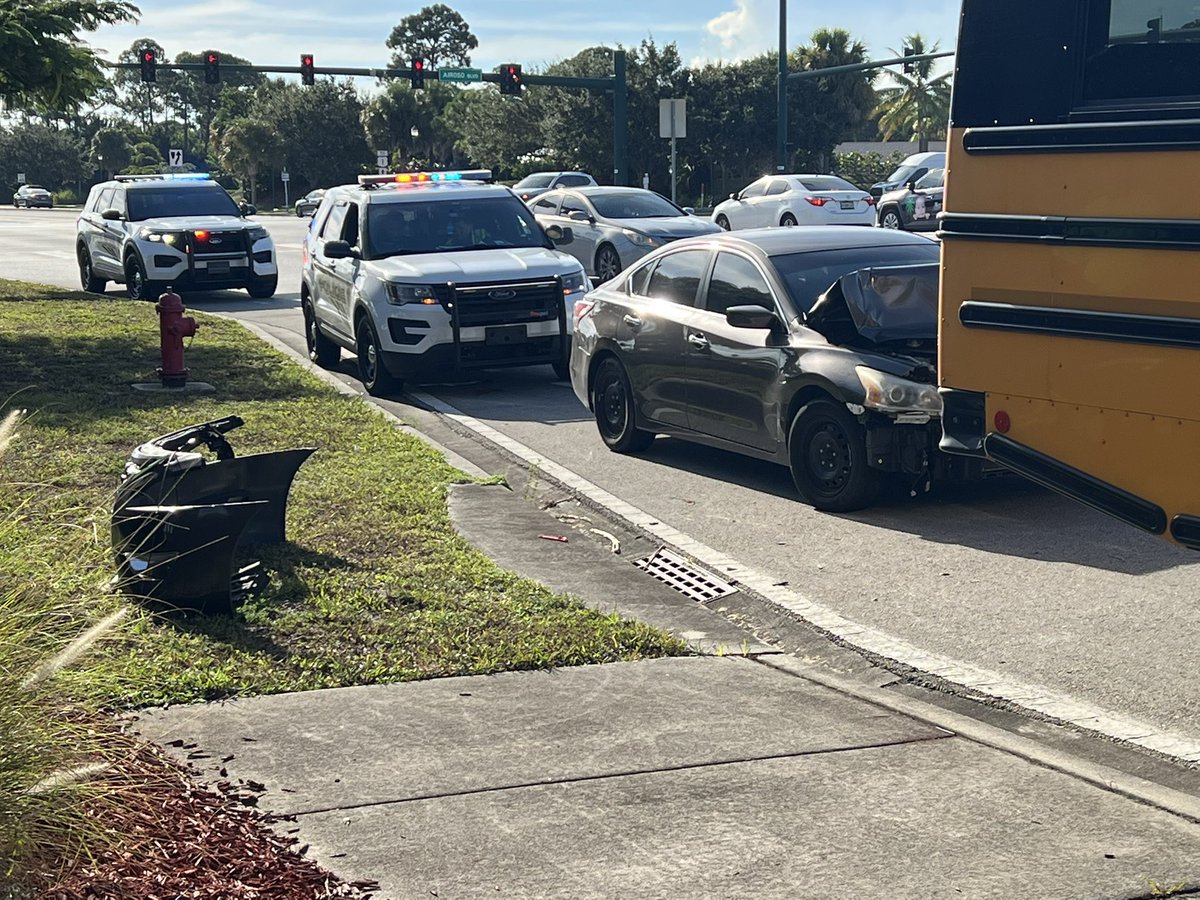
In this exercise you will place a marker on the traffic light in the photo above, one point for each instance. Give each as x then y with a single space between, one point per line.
510 78
418 73
149 63
307 75
212 67
909 67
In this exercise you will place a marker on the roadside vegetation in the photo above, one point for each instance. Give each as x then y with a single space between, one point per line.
373 584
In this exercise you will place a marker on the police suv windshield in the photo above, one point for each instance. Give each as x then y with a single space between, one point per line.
444 226
155 203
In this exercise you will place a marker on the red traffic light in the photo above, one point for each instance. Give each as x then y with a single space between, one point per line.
306 60
148 55
418 64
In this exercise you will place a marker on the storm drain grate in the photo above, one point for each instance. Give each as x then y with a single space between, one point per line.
672 569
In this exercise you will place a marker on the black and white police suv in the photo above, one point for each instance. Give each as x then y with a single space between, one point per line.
151 232
425 274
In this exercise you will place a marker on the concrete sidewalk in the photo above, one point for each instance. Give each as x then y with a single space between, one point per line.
730 775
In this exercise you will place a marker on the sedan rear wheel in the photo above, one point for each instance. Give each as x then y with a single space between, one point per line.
827 449
612 400
723 222
788 220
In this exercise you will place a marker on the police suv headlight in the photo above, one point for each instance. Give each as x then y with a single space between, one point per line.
174 239
888 393
401 294
641 240
257 233
576 281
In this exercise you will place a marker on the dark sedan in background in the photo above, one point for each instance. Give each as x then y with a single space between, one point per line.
811 347
307 205
31 195
614 227
914 207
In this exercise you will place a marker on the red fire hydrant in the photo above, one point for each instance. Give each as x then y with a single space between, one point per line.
173 327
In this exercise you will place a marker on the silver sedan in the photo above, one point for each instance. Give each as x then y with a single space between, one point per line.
614 227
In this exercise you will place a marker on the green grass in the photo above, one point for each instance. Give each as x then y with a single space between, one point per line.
373 584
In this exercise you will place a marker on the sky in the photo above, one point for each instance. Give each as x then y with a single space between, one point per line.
532 32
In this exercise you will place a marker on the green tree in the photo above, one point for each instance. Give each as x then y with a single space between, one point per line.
145 159
53 157
390 117
823 111
111 151
437 34
132 95
917 107
503 134
245 146
43 62
197 104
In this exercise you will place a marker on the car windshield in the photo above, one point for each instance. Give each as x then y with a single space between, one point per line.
902 174
633 205
535 181
808 275
826 183
443 226
154 203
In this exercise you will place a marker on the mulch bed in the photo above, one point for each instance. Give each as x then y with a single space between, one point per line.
177 840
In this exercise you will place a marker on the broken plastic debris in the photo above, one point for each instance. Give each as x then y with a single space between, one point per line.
553 537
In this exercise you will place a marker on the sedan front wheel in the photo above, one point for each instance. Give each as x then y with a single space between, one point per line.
827 450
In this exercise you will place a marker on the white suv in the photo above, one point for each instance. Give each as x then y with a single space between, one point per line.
429 273
151 232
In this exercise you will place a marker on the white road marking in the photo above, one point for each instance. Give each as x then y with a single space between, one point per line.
993 684
56 254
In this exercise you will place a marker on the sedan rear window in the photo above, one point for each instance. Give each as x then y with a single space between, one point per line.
809 275
826 183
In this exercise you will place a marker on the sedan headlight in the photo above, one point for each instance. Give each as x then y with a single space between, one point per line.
257 233
888 393
400 294
576 281
174 239
639 239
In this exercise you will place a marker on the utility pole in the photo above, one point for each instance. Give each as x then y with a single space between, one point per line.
781 136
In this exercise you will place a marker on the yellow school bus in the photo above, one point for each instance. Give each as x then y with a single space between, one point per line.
1069 346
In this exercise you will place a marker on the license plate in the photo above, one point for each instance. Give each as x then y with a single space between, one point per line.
218 267
847 204
495 335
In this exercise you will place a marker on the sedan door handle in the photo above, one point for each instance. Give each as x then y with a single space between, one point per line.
632 321
698 341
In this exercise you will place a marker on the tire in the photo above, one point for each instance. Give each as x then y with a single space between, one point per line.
88 279
723 223
612 400
562 365
263 288
788 221
608 263
889 218
374 375
136 284
827 452
321 350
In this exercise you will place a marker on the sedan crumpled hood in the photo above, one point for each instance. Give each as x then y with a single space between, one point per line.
880 306
467 266
670 227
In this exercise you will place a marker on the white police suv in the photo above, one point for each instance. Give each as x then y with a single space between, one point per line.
425 274
151 232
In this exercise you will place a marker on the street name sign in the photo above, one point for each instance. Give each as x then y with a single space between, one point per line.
460 76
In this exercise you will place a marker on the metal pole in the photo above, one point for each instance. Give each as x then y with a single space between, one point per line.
620 123
781 136
673 178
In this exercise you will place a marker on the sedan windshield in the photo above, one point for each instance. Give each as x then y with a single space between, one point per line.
634 205
153 203
443 226
809 275
534 181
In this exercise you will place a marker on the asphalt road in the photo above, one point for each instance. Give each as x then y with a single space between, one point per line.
1000 575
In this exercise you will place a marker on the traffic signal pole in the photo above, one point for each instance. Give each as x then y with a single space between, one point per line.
782 115
863 67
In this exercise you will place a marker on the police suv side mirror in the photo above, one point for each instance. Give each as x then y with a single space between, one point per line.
337 250
112 215
248 209
560 236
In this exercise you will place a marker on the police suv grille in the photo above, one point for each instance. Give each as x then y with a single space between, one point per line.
503 303
220 243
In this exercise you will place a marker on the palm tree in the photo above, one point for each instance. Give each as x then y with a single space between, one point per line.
917 106
245 145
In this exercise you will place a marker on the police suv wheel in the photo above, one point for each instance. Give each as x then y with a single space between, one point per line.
263 288
371 371
321 350
135 280
87 275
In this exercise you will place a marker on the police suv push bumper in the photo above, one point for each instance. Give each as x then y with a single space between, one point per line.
206 254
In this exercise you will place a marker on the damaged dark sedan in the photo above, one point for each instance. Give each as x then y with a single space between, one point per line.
810 347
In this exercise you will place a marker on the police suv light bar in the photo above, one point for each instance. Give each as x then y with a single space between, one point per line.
166 176
426 177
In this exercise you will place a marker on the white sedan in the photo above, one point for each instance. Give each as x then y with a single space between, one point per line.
796 200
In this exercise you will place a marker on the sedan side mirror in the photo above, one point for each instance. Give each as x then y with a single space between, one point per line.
690 210
248 209
560 236
112 215
751 317
338 250
735 196
578 215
